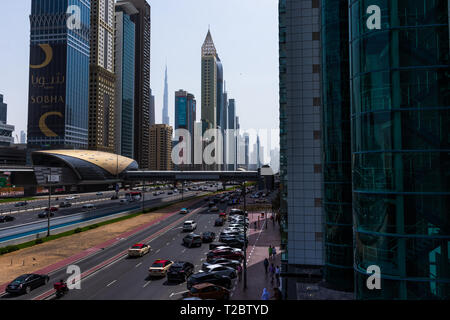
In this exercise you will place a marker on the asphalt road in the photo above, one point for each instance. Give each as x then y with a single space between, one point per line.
126 278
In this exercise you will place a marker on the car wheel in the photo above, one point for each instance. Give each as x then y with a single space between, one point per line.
27 289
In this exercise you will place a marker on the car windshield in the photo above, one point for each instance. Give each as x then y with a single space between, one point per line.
20 279
136 247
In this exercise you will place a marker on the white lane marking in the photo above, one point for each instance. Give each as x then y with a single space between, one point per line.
146 284
138 264
177 293
184 250
158 250
168 243
112 283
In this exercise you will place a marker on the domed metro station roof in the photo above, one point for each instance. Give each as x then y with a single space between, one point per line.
86 164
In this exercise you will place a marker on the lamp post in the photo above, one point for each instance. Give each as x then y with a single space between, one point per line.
245 235
50 179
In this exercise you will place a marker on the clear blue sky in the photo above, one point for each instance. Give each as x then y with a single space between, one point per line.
245 33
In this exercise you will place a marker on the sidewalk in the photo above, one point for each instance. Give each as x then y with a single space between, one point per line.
257 250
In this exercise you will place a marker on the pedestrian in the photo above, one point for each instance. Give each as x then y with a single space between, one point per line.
274 252
271 272
266 264
255 225
277 275
270 251
239 272
265 295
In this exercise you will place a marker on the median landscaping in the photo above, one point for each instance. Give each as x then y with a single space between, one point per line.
38 254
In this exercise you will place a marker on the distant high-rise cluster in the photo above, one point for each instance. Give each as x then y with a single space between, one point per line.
6 130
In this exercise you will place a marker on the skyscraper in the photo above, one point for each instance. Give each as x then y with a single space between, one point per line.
3 110
209 84
142 82
152 108
102 77
161 147
231 136
125 76
300 120
185 117
400 111
166 119
6 130
58 107
23 137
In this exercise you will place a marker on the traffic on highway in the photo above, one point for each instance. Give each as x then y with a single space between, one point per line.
197 253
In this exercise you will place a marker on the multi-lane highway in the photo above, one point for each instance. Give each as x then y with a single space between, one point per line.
27 222
110 274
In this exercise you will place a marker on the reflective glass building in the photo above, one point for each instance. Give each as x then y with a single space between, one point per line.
400 118
337 176
59 74
125 75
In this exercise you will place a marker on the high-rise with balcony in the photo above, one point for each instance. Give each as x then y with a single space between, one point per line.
161 147
58 105
400 118
102 78
142 110
125 61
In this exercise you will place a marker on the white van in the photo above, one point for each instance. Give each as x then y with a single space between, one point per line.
87 207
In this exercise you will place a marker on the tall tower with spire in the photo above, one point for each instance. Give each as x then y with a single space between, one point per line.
166 119
209 84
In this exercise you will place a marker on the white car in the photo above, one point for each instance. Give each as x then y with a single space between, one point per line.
70 198
189 225
124 201
88 207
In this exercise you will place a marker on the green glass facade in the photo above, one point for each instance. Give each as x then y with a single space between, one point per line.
337 177
400 118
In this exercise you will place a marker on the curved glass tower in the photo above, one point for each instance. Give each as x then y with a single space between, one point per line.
400 107
337 174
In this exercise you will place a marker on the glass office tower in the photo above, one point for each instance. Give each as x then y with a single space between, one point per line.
125 74
337 176
400 114
59 75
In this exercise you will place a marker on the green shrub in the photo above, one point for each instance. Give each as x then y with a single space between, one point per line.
39 241
8 249
77 230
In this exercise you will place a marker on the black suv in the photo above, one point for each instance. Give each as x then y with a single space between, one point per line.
208 277
180 271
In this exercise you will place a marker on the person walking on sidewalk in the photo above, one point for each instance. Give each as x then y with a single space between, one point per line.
239 272
274 252
266 264
277 275
270 251
271 272
265 295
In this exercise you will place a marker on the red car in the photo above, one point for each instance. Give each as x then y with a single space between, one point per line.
227 254
52 209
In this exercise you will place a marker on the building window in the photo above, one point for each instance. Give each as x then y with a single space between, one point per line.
315 3
316 102
317 168
316 35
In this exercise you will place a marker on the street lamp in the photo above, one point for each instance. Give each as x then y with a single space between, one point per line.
245 235
50 179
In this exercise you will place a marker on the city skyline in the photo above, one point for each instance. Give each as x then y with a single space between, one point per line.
245 82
